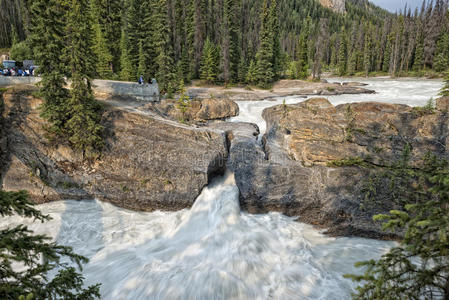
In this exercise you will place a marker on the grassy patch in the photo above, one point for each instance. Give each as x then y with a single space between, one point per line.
427 109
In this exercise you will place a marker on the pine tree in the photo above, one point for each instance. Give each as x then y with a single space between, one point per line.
242 70
104 59
277 51
445 89
127 72
352 63
302 66
251 76
47 40
210 61
48 278
132 27
441 59
264 57
387 56
230 40
417 268
108 17
419 56
166 68
342 55
367 53
84 128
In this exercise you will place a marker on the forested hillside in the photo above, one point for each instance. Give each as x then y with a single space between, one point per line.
252 41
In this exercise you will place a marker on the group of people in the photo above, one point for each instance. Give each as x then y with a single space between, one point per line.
17 72
142 81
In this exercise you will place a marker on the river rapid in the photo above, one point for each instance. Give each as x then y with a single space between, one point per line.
213 250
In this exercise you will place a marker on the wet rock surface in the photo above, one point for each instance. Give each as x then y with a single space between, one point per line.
152 162
295 170
283 88
197 111
149 163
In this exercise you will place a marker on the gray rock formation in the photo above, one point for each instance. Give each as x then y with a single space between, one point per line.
338 6
199 110
150 163
293 173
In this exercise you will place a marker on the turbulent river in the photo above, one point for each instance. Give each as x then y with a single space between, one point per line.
213 250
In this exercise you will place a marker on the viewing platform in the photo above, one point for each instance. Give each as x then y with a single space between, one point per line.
102 88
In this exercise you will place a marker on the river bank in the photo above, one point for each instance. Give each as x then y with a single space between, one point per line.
282 88
240 255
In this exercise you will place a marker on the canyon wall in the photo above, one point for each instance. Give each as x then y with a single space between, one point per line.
336 5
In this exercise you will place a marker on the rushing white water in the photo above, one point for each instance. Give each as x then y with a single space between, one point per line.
413 92
213 250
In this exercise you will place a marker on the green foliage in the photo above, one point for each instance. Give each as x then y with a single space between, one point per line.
21 51
347 162
103 56
342 55
107 16
301 66
48 41
266 55
183 102
417 268
127 73
166 68
83 128
445 89
251 76
427 109
40 257
210 62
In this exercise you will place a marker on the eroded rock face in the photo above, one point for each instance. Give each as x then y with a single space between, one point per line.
149 163
293 171
316 133
201 110
336 5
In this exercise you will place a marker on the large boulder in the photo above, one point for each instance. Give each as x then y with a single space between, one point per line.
149 163
198 110
316 160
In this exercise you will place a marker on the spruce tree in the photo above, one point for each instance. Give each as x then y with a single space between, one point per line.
127 72
166 68
387 56
84 126
251 75
275 29
230 40
342 55
367 53
46 275
47 40
418 267
210 62
264 57
104 59
132 27
445 89
108 17
242 70
441 59
302 66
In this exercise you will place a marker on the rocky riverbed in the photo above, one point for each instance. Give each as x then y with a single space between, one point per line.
153 162
283 88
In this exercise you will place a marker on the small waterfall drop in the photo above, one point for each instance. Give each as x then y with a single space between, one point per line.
212 251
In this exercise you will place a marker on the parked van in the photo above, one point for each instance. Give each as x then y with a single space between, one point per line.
9 64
